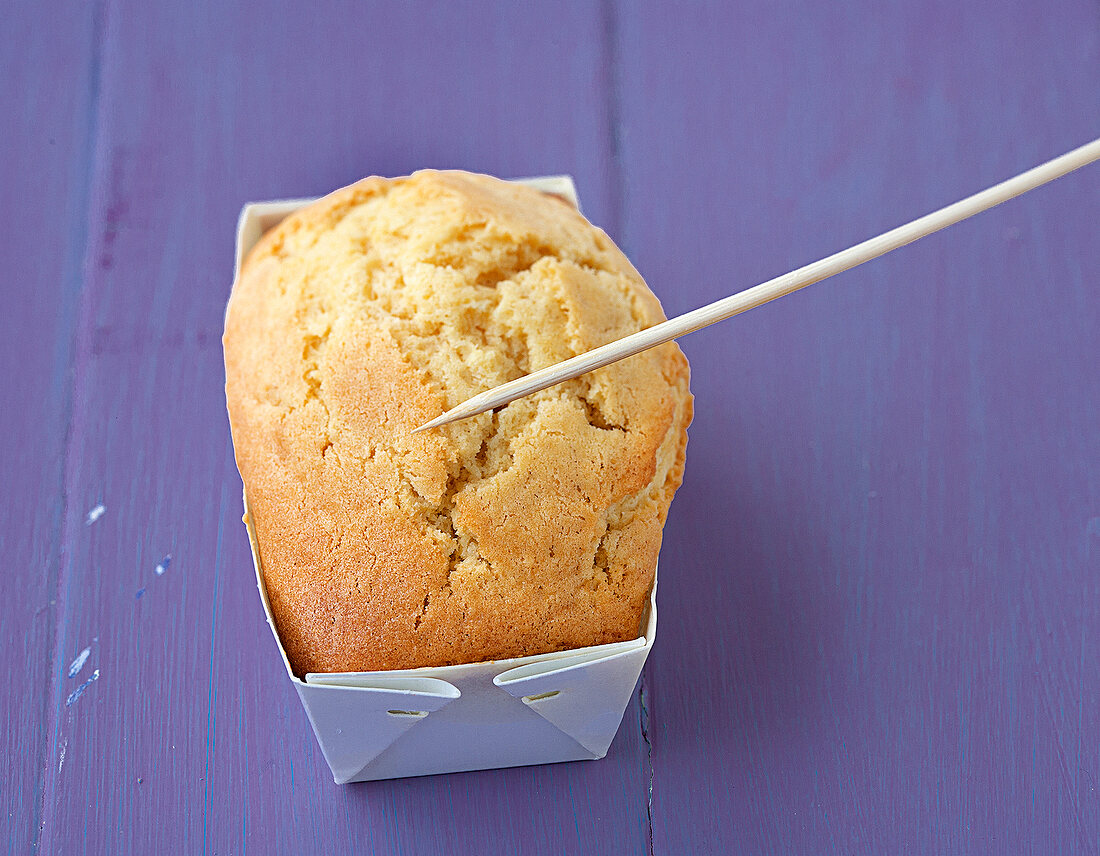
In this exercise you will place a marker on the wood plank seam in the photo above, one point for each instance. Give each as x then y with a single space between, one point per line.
79 262
616 186
617 192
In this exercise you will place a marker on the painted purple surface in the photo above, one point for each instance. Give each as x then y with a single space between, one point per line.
880 598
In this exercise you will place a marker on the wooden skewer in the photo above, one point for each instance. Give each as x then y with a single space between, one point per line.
758 295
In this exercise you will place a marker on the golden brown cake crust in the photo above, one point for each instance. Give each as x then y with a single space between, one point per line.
532 529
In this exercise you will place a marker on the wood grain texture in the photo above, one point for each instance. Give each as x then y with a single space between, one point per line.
883 635
879 590
192 740
48 105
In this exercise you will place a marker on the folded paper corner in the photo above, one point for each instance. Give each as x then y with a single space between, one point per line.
356 724
585 696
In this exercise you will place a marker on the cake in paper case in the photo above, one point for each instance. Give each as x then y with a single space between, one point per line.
558 706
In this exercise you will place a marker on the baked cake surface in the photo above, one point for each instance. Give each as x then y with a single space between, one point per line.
531 529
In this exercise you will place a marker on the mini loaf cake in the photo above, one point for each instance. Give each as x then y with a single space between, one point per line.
535 528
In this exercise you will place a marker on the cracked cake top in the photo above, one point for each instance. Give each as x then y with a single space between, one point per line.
535 528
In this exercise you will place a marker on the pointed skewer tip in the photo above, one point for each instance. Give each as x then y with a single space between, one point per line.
442 419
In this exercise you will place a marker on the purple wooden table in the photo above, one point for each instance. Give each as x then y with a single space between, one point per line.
880 586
